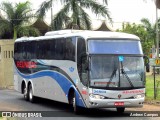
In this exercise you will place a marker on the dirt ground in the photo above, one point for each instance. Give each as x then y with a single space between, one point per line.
146 107
9 107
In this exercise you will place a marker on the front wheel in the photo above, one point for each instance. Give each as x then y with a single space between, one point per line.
76 108
31 96
121 110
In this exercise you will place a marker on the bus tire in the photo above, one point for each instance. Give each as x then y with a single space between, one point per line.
31 96
120 109
25 93
76 108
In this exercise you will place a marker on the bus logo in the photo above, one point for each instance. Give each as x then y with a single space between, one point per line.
71 69
119 96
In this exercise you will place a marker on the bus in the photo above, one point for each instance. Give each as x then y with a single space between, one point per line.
86 69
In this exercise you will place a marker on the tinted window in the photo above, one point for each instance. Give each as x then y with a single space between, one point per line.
30 49
20 51
51 49
70 49
60 49
41 49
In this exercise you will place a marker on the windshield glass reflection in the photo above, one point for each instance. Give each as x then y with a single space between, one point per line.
108 71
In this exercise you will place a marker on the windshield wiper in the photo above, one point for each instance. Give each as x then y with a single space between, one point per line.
113 73
124 73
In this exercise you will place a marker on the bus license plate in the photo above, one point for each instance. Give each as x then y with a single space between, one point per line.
119 103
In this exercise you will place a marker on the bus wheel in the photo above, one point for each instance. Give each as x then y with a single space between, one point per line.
31 97
76 108
120 110
25 93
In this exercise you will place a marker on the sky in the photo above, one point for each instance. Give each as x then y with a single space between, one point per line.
120 11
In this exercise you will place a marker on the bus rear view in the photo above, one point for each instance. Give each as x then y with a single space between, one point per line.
116 73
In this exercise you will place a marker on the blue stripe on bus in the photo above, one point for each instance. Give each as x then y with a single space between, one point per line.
64 83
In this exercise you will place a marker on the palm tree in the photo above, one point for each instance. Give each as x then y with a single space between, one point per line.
78 15
151 29
17 16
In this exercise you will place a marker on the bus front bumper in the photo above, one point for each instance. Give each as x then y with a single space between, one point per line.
114 103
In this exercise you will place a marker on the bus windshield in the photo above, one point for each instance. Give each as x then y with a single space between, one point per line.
108 71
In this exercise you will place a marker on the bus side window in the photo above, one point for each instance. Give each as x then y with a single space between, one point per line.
81 60
70 49
16 51
20 51
59 49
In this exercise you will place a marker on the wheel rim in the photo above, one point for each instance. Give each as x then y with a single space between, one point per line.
74 103
30 94
25 92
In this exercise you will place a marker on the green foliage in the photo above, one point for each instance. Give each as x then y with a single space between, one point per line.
151 30
150 87
141 32
17 16
28 31
73 13
146 47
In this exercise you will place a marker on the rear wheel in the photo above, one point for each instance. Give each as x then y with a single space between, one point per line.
25 93
121 110
31 96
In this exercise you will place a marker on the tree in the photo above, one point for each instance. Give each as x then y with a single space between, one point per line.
151 29
78 15
17 17
141 32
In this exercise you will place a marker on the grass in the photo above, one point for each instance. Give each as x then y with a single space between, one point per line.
150 87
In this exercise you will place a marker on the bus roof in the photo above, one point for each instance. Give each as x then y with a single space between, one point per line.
81 33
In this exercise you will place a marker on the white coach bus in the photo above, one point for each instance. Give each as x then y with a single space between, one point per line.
91 69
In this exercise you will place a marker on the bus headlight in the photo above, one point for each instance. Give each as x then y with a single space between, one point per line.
139 96
96 96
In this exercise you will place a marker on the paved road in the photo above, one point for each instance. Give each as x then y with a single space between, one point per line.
11 100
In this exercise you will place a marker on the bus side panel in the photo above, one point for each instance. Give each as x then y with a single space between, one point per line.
67 77
47 87
17 80
52 84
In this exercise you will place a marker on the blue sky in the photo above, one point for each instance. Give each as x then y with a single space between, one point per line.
121 11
